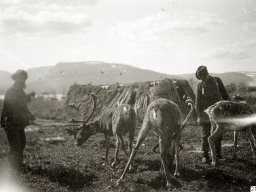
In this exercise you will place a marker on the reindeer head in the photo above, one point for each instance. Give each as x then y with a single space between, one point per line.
82 133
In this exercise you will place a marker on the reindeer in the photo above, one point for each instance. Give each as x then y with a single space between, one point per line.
118 122
230 116
164 118
189 102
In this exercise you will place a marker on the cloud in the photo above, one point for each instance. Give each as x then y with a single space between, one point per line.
166 24
235 51
73 2
251 43
251 27
49 2
228 52
50 21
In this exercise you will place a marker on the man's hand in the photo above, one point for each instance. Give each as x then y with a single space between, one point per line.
31 117
32 94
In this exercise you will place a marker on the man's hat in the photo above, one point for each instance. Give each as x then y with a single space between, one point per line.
19 73
201 71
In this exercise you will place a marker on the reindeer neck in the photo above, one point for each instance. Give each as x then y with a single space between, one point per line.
102 127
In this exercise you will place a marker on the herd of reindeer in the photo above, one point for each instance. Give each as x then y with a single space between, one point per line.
164 118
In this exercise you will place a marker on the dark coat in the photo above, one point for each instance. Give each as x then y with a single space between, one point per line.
15 111
208 93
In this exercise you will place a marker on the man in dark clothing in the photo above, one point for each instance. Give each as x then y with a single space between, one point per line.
209 91
15 117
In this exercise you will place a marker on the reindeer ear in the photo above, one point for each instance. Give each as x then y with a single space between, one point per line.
72 132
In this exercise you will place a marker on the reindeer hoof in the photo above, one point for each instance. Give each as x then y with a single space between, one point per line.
118 182
214 164
176 175
113 165
169 186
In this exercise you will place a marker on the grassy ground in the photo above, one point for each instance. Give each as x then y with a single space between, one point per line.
54 163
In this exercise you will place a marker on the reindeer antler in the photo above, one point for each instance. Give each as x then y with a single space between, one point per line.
94 98
74 106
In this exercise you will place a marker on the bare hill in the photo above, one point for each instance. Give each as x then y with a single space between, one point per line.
58 78
63 75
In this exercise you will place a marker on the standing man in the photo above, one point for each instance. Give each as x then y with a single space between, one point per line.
209 91
15 117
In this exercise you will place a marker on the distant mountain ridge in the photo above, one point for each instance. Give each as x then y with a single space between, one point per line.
62 75
58 78
251 74
227 78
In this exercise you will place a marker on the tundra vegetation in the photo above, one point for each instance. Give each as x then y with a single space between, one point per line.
55 163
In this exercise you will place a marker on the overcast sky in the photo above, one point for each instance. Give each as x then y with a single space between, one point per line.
169 36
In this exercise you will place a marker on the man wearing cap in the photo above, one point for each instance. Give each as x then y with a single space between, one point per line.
16 116
209 91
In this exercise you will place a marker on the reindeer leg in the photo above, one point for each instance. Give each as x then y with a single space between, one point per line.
235 144
134 151
142 135
177 157
162 165
118 141
107 138
212 139
172 152
163 150
155 148
169 156
116 153
131 137
252 141
123 146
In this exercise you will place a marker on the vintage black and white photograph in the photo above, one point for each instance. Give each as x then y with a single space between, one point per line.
127 95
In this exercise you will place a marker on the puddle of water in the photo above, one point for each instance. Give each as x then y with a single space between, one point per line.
195 150
227 145
31 128
53 138
192 149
